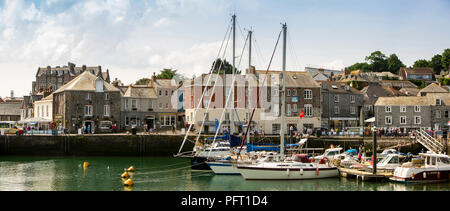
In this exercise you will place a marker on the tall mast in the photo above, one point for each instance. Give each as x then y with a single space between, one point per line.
232 85
283 94
248 78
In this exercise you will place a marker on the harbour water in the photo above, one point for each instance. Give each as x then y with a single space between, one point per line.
159 174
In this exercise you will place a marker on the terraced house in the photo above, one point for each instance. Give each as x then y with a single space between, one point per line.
414 112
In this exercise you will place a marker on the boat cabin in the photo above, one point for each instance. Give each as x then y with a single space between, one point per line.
435 160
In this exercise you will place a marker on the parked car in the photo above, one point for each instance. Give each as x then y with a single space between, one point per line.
10 128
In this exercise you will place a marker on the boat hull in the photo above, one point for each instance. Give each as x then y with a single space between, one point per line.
199 164
255 173
222 168
424 177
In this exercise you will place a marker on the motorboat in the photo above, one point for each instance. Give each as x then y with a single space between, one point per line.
390 162
434 168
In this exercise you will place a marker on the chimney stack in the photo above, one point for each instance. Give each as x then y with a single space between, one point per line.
153 79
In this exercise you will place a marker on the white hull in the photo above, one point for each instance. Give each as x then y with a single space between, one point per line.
222 168
254 173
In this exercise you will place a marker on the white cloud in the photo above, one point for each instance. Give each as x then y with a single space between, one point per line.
163 22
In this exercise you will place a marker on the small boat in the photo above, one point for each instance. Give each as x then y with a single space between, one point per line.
435 168
390 162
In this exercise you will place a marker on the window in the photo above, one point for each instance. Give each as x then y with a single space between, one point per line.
388 120
126 104
288 92
294 92
352 110
438 102
403 120
294 108
134 104
276 128
160 92
150 104
336 109
352 98
437 115
417 108
446 114
106 110
106 96
289 109
388 109
403 109
309 110
308 94
160 105
336 98
167 92
417 120
437 126
46 111
88 96
88 110
167 105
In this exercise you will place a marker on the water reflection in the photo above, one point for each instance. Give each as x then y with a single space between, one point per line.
104 173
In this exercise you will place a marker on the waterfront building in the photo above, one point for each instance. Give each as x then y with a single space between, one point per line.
50 79
341 105
87 101
413 112
43 109
155 105
302 94
10 111
27 108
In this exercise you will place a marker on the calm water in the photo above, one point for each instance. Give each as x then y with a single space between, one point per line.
155 174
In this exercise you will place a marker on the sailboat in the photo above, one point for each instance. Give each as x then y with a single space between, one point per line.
279 167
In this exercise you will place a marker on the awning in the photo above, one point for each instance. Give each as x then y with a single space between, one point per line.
370 120
34 120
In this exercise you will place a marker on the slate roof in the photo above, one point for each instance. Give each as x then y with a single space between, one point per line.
432 88
85 82
10 109
140 91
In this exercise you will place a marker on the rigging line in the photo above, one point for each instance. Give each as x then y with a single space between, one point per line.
265 77
209 78
229 95
293 50
259 52
214 88
158 167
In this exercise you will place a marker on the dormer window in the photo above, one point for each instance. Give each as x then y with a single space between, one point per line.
438 102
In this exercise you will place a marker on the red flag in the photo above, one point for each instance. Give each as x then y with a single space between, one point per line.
302 114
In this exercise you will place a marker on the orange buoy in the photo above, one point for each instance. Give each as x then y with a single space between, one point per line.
131 169
128 182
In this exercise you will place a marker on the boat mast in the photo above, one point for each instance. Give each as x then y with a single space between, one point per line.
283 94
248 78
232 129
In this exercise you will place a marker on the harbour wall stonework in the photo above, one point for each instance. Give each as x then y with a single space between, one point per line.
147 145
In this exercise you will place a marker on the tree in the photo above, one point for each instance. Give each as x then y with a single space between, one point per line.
143 81
436 64
378 61
421 63
446 59
166 74
360 66
394 64
224 66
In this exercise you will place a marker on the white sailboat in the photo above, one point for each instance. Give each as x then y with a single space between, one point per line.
280 168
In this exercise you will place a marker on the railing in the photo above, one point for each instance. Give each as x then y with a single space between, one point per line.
428 141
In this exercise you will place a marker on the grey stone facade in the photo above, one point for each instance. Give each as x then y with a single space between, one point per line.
341 105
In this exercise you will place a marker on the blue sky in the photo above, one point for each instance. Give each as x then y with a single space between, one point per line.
134 38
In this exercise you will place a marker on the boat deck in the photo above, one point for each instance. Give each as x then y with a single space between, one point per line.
365 175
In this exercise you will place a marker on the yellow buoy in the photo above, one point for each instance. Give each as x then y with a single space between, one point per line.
125 175
131 169
128 182
86 164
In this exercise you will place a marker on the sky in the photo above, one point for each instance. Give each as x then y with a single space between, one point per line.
134 38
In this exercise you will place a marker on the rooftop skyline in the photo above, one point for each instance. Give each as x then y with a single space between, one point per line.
133 39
